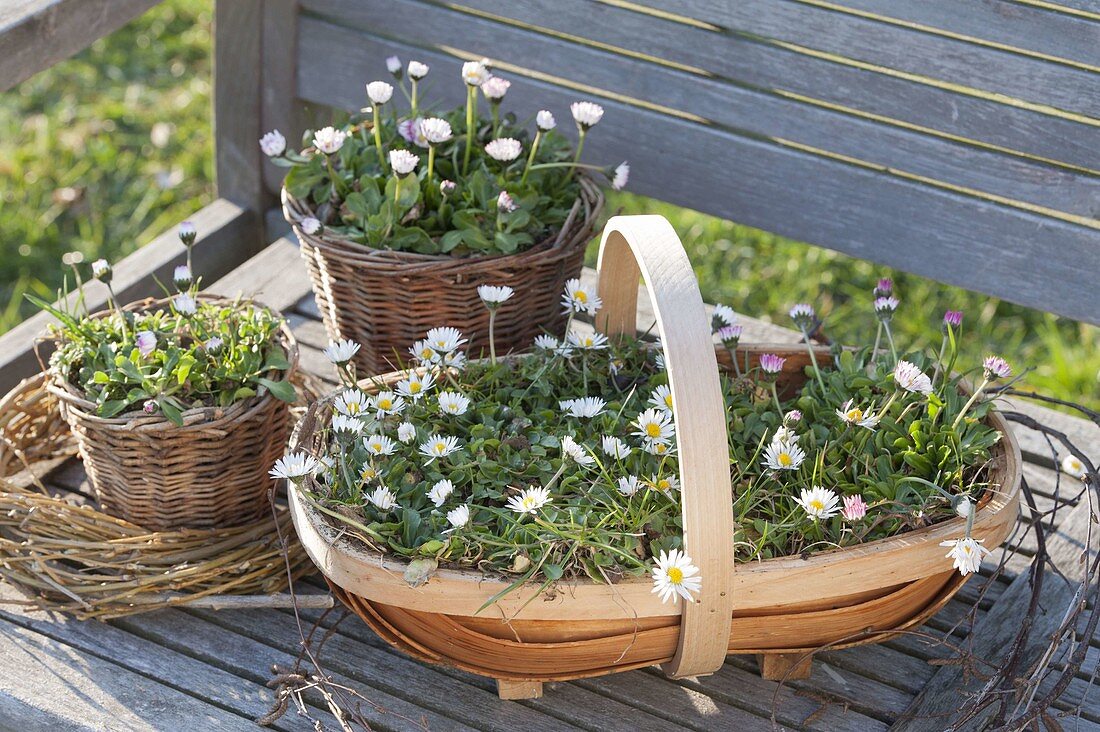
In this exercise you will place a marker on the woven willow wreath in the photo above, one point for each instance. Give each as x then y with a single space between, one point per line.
64 554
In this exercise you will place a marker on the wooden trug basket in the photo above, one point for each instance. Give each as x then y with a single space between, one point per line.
211 472
386 300
780 609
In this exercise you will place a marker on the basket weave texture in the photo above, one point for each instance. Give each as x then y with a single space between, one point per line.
386 300
210 472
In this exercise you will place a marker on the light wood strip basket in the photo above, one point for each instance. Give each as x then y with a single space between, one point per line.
210 472
386 300
779 608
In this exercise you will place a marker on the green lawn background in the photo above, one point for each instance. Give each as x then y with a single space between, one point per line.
106 150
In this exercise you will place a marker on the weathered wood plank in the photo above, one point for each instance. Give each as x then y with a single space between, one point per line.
275 276
751 111
36 34
222 227
83 691
949 60
238 73
954 238
782 68
280 108
994 632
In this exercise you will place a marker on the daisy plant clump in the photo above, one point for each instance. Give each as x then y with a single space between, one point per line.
561 463
406 177
188 352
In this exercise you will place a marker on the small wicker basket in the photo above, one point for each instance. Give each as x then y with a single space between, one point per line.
386 300
210 472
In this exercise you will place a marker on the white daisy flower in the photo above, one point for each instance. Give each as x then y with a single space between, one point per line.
445 340
662 398
580 298
310 225
423 352
453 403
352 403
784 456
295 466
438 446
675 577
587 341
545 120
475 73
455 360
659 360
622 175
1073 467
383 498
273 144
403 162
584 407
439 492
723 316
494 88
504 149
417 70
586 114
436 130
629 485
996 368
854 415
819 503
660 448
379 445
386 402
393 64
406 432
784 435
546 342
909 377
572 450
665 485
493 295
416 385
146 342
345 425
368 473
530 500
100 267
967 554
458 518
341 352
655 425
505 203
379 92
614 447
184 304
329 140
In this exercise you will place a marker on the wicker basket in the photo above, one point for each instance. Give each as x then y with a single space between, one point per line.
211 472
386 300
778 608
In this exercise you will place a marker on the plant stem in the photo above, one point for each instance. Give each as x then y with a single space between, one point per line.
775 395
878 339
492 340
412 100
378 137
813 359
969 404
890 339
531 157
431 162
471 107
939 359
495 109
733 357
580 147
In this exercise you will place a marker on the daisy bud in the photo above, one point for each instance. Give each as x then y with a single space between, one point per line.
273 144
730 335
586 114
393 65
436 130
1073 467
963 506
187 233
884 288
417 70
310 225
409 129
803 315
213 345
854 509
447 187
723 316
475 73
101 270
181 276
621 175
406 432
149 407
379 92
908 376
403 162
771 363
146 342
545 120
885 307
792 417
952 319
996 368
184 304
494 88
504 149
505 204
329 140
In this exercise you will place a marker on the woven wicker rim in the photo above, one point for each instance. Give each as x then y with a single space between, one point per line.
586 210
198 418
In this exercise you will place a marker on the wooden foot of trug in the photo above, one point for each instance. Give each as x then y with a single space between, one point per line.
785 666
507 689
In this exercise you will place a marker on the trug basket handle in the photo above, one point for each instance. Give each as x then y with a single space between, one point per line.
647 246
